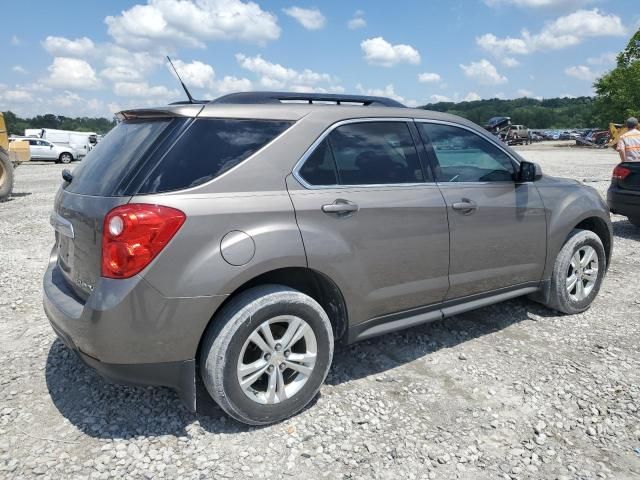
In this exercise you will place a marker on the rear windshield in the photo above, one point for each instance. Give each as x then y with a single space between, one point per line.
207 149
115 157
141 157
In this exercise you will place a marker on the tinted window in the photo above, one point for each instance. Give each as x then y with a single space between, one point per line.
111 161
320 168
208 149
375 153
464 156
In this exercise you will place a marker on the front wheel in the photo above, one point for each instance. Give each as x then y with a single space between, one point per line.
65 157
578 272
266 354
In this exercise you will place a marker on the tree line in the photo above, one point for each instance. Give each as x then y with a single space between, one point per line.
17 125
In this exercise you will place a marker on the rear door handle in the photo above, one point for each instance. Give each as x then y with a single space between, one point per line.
340 206
465 206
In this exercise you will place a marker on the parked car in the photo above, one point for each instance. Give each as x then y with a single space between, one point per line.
623 195
238 240
45 150
81 142
519 134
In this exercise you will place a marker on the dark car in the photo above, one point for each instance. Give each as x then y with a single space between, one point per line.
623 196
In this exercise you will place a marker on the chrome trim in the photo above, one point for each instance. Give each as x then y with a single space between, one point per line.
331 128
61 225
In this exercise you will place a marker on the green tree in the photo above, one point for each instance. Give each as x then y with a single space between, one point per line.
618 92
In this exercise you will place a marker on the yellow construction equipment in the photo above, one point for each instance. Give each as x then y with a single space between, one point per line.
11 155
615 130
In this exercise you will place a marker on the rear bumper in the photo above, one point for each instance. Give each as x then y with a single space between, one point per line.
624 202
128 332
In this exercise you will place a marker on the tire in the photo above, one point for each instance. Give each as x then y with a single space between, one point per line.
226 346
561 298
65 158
6 176
635 221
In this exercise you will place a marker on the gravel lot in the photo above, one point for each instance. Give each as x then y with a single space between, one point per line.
509 391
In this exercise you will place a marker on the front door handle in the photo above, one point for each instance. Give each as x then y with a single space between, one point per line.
466 206
341 207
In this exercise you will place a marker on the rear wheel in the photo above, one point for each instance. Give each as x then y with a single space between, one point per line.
266 354
578 272
6 176
65 157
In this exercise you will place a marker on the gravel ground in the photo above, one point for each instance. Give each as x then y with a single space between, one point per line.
509 391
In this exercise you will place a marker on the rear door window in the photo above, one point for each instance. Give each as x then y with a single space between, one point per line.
366 153
207 149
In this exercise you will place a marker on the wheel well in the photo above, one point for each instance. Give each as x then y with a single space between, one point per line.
599 227
317 285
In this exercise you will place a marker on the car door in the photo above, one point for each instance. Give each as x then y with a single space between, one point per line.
48 150
371 220
497 225
36 149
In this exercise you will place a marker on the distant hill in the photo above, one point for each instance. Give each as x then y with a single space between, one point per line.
17 125
547 113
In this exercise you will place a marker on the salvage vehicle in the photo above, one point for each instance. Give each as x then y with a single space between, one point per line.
623 195
45 150
235 241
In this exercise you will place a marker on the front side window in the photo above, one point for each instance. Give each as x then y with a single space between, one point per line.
464 156
367 153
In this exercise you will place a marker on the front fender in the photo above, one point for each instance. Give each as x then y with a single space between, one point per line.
568 205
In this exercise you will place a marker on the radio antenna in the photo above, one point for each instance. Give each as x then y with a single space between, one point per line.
186 90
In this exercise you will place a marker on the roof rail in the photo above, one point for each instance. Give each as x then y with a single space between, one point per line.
311 98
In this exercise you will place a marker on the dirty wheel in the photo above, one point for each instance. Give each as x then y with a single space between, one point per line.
65 157
266 354
578 272
6 176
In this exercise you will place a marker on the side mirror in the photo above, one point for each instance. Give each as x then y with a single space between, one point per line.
529 172
50 146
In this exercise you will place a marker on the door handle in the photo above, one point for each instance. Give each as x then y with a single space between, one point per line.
466 206
341 207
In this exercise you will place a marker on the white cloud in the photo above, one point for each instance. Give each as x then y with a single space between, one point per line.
483 72
143 89
563 32
19 69
555 4
230 84
388 91
64 47
607 58
15 41
429 77
195 74
309 18
377 51
581 72
16 95
510 62
472 97
276 76
439 98
124 66
357 21
67 72
177 22
523 92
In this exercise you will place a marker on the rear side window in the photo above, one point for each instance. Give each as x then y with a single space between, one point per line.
115 157
207 149
367 153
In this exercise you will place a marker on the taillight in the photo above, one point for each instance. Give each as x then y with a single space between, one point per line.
134 234
620 173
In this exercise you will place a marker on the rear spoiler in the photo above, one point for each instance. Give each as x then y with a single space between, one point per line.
187 110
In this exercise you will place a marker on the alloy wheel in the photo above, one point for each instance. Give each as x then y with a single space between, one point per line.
583 273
